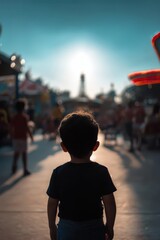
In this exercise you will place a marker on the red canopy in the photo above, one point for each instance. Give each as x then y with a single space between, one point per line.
148 77
156 43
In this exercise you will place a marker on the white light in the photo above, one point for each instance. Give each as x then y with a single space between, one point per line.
22 61
13 65
78 59
13 57
118 99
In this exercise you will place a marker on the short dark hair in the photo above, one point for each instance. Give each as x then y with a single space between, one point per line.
79 131
20 105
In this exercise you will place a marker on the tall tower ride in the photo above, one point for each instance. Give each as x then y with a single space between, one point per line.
82 92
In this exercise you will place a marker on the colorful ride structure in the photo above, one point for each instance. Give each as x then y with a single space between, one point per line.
148 77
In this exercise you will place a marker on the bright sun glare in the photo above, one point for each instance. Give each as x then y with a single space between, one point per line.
69 62
79 59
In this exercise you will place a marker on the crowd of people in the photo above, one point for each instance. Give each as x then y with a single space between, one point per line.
51 121
134 123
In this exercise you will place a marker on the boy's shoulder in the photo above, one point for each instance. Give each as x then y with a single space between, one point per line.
100 167
68 165
61 167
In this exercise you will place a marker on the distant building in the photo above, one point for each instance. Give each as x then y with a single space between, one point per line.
82 101
64 96
112 93
82 92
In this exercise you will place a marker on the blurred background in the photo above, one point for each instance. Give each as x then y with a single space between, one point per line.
99 56
78 54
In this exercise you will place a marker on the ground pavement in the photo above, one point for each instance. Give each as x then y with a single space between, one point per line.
23 199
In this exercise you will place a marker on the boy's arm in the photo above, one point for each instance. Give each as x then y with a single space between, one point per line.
110 212
52 211
29 132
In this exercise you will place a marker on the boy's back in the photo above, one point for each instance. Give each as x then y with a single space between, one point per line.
79 187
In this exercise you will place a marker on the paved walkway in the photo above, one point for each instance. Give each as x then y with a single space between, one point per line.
136 176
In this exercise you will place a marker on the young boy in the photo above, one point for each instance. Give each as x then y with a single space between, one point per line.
80 187
19 133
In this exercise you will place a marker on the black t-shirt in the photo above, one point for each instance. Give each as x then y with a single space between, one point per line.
79 188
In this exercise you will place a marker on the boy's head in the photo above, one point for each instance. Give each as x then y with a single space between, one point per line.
20 105
79 131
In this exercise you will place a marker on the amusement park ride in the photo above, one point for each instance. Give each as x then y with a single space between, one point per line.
148 77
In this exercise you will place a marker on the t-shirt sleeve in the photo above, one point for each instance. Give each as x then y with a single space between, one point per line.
52 190
108 186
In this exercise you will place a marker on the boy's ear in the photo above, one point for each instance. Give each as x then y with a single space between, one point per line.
63 147
96 146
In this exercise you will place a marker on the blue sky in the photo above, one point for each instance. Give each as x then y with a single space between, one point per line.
60 39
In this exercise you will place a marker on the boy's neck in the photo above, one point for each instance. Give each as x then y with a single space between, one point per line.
85 159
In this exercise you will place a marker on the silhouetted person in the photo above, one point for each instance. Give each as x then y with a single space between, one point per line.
128 123
58 111
19 133
152 128
30 112
4 122
80 186
139 123
156 109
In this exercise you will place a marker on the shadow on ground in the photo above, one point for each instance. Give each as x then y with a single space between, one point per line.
143 179
38 151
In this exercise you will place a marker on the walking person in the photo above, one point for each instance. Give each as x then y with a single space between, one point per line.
139 123
80 189
19 132
128 124
58 112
